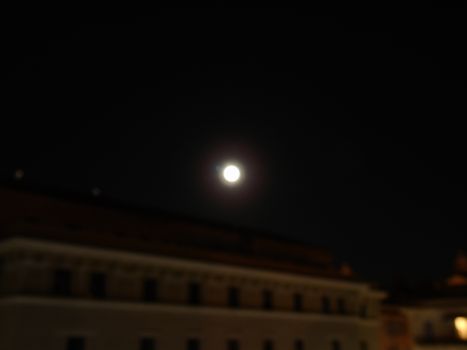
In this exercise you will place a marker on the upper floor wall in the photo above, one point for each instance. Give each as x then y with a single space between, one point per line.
32 267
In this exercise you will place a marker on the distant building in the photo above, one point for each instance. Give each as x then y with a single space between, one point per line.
395 329
77 274
437 314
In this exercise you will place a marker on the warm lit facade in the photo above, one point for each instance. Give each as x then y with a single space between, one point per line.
439 324
437 316
395 329
80 276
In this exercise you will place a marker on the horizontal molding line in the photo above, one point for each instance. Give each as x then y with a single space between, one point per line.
178 309
110 254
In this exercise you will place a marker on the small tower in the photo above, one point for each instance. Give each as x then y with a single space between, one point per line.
345 270
460 263
459 277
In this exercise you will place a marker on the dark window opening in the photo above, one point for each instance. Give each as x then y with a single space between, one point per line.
268 345
363 311
147 344
232 344
429 331
267 299
193 344
298 344
298 302
194 293
341 306
325 305
62 282
75 343
150 290
234 300
98 285
336 345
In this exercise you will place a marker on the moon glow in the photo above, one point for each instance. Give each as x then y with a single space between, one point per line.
231 174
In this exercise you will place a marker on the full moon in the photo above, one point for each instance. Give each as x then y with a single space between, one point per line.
231 173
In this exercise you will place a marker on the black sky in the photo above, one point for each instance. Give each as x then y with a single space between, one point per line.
350 125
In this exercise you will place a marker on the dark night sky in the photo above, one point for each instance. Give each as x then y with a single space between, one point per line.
349 125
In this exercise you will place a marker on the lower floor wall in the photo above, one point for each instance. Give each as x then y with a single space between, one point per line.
41 323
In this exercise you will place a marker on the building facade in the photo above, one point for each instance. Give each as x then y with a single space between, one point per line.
79 276
436 315
439 323
396 332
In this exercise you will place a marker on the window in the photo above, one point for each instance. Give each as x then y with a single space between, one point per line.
298 344
150 289
297 302
232 344
193 344
268 345
363 345
75 343
428 330
325 305
194 293
62 282
147 344
364 311
341 306
267 299
233 295
98 286
336 345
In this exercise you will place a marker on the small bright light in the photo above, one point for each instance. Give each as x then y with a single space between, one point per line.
461 326
231 173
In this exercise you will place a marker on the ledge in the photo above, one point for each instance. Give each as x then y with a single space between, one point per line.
180 309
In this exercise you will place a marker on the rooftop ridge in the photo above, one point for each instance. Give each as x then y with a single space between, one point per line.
111 203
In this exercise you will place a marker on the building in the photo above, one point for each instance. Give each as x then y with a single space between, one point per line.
79 274
436 314
395 329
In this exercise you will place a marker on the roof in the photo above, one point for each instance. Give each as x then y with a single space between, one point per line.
102 222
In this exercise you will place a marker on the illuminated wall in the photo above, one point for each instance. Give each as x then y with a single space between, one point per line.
38 309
